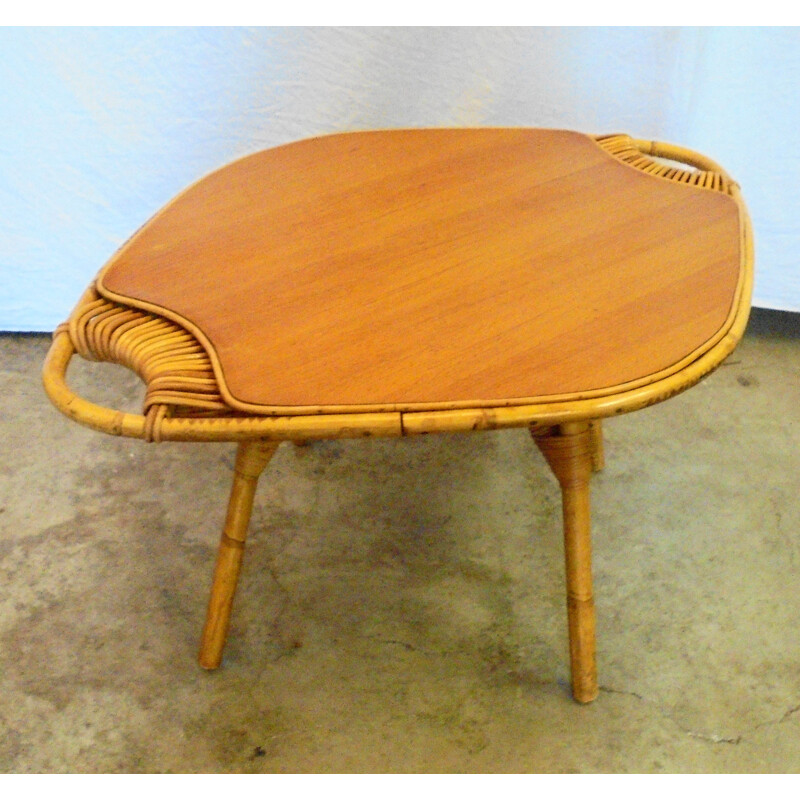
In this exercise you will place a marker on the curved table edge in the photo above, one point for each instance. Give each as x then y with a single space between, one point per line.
397 423
348 421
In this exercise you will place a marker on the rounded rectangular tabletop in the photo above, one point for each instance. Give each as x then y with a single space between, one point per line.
436 268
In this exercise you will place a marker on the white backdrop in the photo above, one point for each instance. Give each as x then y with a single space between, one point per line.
102 126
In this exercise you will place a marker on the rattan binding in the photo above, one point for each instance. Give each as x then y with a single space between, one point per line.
708 175
174 366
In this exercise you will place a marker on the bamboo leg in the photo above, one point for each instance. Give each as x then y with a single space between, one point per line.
568 450
251 459
598 454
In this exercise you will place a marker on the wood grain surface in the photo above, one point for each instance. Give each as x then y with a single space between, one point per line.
435 268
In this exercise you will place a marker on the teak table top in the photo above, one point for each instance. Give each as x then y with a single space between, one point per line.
437 268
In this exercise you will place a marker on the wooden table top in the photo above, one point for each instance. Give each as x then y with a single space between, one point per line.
436 268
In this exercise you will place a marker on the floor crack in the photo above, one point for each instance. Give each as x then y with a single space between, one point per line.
787 715
782 533
706 737
711 737
405 645
610 690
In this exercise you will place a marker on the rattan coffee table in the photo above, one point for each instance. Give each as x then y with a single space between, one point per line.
393 283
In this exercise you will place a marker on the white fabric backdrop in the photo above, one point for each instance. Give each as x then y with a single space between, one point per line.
102 126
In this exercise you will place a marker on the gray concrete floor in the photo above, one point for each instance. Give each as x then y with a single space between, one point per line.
402 604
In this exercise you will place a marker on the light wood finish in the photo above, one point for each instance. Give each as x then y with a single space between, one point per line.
411 282
251 459
598 452
410 270
568 450
187 415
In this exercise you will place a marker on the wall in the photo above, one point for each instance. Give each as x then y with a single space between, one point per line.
102 126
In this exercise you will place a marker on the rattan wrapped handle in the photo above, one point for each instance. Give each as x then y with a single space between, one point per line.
682 154
640 153
209 429
107 420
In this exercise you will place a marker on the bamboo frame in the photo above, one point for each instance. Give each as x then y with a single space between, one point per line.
598 450
186 401
569 450
251 460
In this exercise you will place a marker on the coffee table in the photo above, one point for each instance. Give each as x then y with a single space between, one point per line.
403 282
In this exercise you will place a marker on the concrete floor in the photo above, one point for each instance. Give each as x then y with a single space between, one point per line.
401 608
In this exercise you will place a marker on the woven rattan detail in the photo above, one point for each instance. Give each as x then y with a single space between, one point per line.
174 366
624 148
